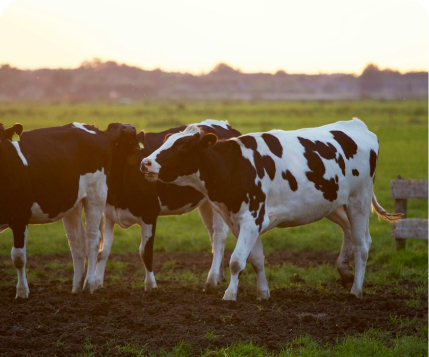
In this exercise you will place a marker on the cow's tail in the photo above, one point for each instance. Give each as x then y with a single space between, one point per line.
102 224
382 213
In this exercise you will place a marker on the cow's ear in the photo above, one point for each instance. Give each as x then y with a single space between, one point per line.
207 140
141 139
166 137
13 133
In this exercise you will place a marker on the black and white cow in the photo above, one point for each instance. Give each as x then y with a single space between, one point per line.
280 179
52 174
134 200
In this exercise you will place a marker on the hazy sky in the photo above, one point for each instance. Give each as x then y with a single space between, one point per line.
308 36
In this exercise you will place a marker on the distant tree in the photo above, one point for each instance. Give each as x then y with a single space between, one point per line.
281 72
223 68
370 81
62 78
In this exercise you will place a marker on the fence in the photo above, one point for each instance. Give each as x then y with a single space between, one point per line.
402 190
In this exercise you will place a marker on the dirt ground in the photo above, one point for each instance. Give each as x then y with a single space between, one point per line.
53 321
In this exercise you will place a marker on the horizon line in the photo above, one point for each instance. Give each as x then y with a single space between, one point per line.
236 69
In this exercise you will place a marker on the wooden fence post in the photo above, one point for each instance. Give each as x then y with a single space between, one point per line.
401 207
401 190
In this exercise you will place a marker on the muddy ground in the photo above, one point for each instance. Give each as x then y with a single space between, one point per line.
53 321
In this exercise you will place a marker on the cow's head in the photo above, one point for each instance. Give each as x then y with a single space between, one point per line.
13 133
123 135
178 156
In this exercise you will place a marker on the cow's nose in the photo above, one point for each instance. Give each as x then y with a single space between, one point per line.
147 163
128 128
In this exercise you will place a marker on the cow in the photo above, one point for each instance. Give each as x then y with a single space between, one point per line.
134 200
260 181
52 174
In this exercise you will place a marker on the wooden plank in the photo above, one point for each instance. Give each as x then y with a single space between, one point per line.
403 189
410 228
401 207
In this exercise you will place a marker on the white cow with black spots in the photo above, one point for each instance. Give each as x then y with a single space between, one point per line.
280 179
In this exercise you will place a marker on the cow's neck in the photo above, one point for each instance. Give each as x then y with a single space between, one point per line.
215 170
118 167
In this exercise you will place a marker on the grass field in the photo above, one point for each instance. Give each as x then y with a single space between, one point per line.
402 129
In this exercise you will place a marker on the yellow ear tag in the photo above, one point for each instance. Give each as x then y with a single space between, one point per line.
15 137
141 146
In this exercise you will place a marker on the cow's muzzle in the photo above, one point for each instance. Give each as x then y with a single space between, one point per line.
148 170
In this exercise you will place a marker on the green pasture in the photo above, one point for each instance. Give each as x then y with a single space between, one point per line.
402 129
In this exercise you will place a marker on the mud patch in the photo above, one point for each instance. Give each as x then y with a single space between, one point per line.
53 321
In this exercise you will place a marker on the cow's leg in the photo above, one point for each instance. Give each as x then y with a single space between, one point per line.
146 254
246 241
104 253
94 205
19 258
339 216
358 211
75 232
256 258
218 230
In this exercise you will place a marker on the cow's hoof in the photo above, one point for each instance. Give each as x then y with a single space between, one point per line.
229 296
357 294
263 295
89 286
98 284
150 287
76 290
22 292
211 282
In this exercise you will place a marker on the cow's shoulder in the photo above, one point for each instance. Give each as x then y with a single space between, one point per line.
221 129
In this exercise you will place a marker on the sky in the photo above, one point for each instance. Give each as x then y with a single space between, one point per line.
297 36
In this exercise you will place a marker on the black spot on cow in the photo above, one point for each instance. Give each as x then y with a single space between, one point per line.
292 180
347 144
336 178
372 162
342 164
269 166
355 172
263 163
317 168
260 218
273 144
249 142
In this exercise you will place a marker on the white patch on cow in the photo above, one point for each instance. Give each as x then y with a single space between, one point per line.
122 217
18 149
165 211
81 126
211 122
19 259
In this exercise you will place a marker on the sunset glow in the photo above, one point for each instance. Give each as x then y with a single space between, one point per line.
193 36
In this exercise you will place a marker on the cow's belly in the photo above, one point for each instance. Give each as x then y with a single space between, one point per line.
38 216
90 184
165 211
122 217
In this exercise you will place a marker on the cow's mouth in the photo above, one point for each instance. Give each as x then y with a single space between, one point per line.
151 176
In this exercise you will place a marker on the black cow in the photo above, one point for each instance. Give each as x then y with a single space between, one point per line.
280 179
51 174
134 200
